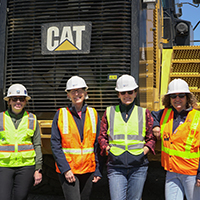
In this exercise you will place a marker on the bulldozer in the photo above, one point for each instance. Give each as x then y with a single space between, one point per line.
45 42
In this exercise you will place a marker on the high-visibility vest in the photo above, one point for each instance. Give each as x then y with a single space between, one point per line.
16 147
180 149
79 155
126 136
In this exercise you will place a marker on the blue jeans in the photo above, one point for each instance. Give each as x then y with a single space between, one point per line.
176 185
126 184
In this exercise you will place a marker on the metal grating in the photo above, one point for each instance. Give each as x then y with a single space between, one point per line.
45 76
186 65
186 52
186 68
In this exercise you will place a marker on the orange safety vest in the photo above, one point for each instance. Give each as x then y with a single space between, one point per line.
180 149
79 155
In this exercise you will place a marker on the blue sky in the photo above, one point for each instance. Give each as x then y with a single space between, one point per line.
192 14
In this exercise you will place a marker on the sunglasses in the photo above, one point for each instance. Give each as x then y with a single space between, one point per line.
21 99
129 92
77 91
173 96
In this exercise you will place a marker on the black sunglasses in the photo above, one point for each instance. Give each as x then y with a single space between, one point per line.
173 96
21 99
129 92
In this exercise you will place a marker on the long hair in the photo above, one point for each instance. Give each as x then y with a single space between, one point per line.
191 101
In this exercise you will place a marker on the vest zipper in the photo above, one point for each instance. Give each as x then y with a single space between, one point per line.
16 139
126 147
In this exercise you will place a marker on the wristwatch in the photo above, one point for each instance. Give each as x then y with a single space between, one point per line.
39 170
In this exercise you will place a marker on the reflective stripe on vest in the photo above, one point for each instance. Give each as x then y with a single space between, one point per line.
163 123
11 148
78 151
25 147
65 121
92 118
31 121
7 148
2 122
137 139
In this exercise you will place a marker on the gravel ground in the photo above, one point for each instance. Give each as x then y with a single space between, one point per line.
153 189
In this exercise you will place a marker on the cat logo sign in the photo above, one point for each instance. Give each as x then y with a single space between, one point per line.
66 38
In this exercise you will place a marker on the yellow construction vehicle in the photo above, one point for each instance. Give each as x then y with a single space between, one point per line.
44 42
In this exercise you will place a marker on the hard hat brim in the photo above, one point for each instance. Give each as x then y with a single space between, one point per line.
8 97
125 89
178 91
67 90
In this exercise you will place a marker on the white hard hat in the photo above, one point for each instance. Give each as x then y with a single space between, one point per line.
75 82
17 90
178 86
126 83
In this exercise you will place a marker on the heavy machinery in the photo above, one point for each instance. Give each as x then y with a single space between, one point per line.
44 42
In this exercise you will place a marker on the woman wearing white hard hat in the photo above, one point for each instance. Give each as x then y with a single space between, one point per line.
74 143
126 137
178 126
20 146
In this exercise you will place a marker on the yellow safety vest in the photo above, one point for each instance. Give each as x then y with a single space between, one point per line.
16 147
126 136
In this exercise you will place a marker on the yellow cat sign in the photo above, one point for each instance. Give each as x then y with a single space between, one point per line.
66 38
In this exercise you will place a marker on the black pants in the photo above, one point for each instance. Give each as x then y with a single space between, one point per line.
80 189
15 182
